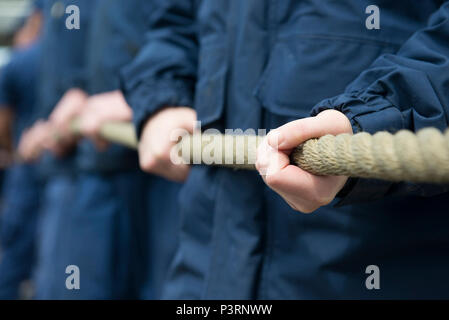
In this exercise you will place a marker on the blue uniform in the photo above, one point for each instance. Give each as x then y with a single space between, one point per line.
63 67
136 199
263 63
109 204
21 186
109 232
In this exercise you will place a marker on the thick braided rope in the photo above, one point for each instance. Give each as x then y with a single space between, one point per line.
421 157
405 156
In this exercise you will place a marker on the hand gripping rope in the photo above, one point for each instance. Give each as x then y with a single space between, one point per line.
405 156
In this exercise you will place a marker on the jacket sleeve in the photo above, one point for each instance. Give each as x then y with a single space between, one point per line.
406 90
164 71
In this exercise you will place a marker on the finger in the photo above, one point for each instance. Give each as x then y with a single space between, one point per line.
269 160
176 173
293 181
161 164
146 160
296 132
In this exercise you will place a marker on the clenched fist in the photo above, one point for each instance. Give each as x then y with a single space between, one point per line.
156 142
303 191
101 108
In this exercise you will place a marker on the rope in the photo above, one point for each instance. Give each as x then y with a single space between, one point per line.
404 156
422 157
122 133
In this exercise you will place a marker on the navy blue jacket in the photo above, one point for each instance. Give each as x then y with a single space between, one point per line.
259 64
118 31
168 77
63 65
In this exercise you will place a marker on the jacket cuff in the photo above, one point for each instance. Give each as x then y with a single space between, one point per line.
369 114
146 98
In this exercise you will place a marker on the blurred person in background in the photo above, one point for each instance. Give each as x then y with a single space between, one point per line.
138 227
119 228
19 216
115 203
62 84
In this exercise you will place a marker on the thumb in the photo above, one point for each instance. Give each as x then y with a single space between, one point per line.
296 132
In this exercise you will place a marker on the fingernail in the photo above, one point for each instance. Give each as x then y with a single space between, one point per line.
275 138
